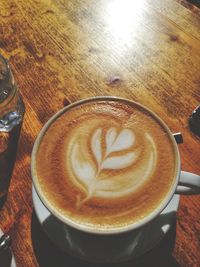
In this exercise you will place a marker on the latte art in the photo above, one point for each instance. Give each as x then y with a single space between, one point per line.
104 164
91 176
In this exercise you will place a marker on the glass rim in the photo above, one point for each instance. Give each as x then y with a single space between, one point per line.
7 77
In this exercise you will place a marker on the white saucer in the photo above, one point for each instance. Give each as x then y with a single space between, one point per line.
12 263
147 238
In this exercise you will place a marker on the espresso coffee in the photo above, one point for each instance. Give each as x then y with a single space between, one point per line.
104 164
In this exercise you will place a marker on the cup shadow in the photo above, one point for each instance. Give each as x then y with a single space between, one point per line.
48 254
6 257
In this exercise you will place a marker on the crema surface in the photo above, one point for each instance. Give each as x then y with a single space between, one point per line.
105 164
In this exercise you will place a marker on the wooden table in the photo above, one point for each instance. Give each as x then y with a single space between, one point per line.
65 50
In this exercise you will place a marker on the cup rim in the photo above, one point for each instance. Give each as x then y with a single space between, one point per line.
82 227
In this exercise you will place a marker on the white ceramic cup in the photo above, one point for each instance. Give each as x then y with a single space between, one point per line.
101 246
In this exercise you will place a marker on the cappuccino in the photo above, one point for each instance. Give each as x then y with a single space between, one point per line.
104 164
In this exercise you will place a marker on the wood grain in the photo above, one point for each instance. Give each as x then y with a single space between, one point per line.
62 51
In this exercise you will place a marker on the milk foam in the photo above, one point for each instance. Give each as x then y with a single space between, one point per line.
105 164
114 150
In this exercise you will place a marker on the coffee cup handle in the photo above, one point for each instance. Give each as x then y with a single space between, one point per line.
189 184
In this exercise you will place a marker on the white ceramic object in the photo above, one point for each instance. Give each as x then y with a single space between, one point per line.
112 244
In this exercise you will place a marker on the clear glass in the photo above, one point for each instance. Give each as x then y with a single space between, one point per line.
11 117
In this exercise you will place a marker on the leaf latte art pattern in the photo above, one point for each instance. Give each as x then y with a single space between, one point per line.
116 166
114 143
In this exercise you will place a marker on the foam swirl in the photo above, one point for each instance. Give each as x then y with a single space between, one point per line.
118 165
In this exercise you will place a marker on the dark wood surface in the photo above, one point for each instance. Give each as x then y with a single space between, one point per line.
64 50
